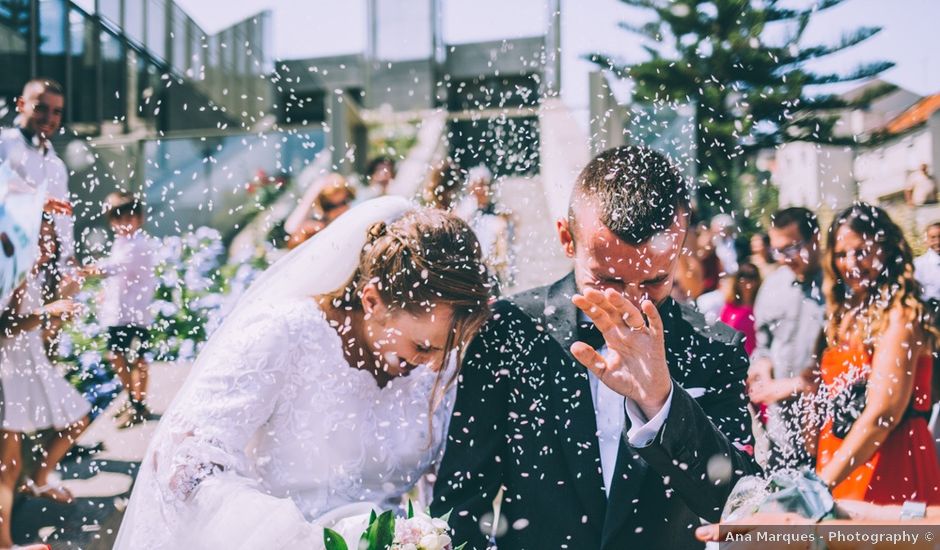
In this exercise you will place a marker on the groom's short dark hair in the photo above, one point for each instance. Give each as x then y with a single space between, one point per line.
638 192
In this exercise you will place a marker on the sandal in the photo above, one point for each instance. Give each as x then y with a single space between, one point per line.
55 493
125 409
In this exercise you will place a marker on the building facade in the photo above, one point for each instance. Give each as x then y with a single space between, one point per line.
135 65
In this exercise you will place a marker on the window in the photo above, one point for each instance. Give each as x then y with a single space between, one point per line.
52 35
83 93
14 45
156 28
134 20
180 37
197 52
87 5
110 10
114 102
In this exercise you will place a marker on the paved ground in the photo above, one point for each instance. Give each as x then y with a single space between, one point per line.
101 484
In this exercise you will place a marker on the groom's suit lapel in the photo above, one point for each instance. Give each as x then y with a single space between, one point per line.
572 403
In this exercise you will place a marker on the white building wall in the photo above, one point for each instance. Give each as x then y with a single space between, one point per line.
837 187
796 174
883 172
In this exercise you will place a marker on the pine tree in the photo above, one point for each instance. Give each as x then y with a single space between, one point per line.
749 89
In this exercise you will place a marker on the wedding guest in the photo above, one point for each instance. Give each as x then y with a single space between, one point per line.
927 266
443 186
927 273
921 187
326 200
789 316
725 232
492 226
689 284
738 311
28 151
36 396
379 174
711 264
876 368
129 286
568 391
761 255
711 303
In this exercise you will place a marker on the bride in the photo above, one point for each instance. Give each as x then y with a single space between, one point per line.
327 389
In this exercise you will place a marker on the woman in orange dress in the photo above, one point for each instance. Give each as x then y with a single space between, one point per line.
876 369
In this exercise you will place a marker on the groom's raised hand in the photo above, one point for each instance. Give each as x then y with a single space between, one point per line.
635 363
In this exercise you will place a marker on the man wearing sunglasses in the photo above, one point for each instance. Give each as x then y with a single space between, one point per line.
789 313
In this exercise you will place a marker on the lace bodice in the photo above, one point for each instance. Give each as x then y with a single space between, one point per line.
281 410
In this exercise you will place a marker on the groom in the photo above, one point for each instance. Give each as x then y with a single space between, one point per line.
597 413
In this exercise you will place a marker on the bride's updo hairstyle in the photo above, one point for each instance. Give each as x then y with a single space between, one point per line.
425 258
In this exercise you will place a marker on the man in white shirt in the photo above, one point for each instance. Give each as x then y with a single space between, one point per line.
921 188
27 150
927 267
927 273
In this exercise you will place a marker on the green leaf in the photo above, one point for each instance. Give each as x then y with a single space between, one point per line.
446 517
333 540
381 532
461 546
411 510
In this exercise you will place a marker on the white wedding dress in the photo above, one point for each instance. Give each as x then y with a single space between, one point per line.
275 436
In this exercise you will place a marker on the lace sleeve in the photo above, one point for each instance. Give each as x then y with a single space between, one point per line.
234 392
195 487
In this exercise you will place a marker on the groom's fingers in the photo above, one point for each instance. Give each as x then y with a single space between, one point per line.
588 356
599 300
625 309
598 316
656 321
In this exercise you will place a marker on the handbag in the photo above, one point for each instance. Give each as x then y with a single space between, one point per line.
847 407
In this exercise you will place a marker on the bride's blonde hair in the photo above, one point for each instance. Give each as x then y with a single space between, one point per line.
425 258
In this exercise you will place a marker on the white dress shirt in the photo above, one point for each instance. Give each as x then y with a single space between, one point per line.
130 281
37 167
927 273
609 409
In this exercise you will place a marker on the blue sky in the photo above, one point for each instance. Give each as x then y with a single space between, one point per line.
310 28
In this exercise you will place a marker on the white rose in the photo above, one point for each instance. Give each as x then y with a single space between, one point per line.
434 542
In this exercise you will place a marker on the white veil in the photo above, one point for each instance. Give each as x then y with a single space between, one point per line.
321 265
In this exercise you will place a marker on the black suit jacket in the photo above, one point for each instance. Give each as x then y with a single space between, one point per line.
524 421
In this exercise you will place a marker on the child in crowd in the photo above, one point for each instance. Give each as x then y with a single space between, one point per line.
129 286
493 226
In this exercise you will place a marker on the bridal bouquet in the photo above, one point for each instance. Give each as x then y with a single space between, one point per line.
784 491
386 532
